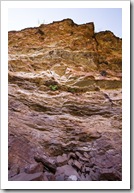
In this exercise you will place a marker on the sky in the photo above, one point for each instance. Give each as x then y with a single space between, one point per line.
103 18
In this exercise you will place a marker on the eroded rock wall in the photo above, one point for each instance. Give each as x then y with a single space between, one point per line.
65 103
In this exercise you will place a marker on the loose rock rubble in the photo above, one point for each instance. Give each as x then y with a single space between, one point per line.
64 104
75 170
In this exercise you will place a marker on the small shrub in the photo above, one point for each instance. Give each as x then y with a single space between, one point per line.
53 87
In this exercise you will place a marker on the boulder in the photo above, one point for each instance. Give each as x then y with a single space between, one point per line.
47 162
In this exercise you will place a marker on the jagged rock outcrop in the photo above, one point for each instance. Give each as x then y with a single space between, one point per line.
65 97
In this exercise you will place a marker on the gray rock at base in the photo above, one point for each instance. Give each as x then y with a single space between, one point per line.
50 176
95 176
60 177
72 178
28 177
34 168
45 177
85 177
15 170
66 171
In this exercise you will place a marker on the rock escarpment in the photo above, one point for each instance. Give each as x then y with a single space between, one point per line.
65 97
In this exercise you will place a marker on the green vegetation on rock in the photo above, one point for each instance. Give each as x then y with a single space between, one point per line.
53 87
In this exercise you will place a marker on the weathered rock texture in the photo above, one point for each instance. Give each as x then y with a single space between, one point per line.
65 103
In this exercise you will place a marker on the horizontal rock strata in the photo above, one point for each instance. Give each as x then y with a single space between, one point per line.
64 103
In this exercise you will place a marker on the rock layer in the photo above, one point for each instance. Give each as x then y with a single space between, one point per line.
65 97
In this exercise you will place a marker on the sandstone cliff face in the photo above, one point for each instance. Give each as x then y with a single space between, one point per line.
65 97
